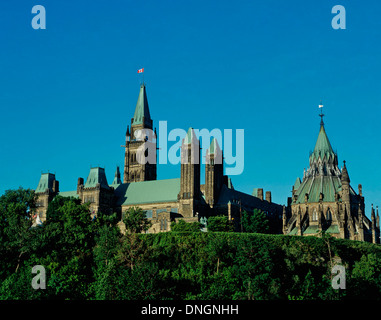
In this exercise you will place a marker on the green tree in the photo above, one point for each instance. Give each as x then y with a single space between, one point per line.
183 226
136 221
17 208
255 222
70 259
220 223
107 237
365 279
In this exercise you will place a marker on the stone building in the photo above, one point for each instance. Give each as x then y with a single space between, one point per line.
163 200
325 201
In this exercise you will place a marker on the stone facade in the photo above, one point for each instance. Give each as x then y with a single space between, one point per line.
167 200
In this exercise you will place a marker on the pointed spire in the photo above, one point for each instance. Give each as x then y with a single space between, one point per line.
142 110
117 180
214 151
344 174
190 137
323 147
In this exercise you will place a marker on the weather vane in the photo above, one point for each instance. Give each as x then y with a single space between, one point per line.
321 115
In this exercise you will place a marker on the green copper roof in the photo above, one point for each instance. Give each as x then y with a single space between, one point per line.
46 182
311 230
297 183
117 181
333 229
323 147
155 191
96 175
190 137
314 229
214 147
69 194
328 185
141 109
247 201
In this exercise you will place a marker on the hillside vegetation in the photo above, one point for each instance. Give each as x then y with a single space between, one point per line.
88 258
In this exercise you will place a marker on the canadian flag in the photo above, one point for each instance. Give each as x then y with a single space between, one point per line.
141 70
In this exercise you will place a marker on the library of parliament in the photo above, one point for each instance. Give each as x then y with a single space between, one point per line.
322 201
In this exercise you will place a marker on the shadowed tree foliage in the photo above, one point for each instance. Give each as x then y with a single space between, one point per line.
136 221
183 226
220 224
255 222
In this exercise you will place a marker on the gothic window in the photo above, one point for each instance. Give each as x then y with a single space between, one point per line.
314 215
329 215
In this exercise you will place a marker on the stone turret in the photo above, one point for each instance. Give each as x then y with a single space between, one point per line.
214 173
190 193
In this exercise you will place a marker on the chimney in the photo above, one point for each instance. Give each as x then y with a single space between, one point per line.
360 190
79 184
268 196
260 193
55 186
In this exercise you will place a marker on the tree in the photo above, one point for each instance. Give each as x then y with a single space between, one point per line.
53 211
183 226
136 221
17 208
255 222
220 223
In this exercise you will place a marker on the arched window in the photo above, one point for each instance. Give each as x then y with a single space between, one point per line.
329 215
314 215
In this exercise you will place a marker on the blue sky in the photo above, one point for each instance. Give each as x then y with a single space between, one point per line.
68 92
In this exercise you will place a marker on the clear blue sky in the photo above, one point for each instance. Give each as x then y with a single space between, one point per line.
68 92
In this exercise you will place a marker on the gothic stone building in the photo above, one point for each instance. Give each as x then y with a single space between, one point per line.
325 201
163 200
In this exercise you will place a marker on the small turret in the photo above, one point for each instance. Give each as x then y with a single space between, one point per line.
284 219
373 217
345 193
345 175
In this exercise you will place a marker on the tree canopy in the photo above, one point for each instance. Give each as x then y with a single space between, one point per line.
87 258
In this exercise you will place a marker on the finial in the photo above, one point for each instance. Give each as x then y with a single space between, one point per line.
321 115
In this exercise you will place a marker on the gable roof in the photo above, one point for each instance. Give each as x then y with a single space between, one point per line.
248 201
154 191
